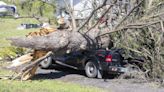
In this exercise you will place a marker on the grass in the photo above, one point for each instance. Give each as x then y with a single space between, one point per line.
8 29
4 72
43 86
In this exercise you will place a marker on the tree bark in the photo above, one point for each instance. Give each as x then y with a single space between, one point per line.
64 40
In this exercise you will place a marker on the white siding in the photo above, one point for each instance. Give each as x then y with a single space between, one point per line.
82 8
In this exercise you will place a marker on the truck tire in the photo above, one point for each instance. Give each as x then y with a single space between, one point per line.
91 69
46 63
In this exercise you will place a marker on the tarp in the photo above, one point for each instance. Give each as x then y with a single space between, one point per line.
5 8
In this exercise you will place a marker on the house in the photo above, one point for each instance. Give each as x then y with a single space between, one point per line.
81 8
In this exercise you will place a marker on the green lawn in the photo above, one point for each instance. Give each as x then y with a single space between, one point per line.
43 86
8 28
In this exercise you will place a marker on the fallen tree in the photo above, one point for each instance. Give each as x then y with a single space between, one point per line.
143 41
62 40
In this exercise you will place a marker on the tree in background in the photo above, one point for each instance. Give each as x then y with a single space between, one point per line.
41 10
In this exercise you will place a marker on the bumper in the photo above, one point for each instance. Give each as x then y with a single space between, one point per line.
116 70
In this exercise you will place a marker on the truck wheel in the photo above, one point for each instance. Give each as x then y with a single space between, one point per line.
46 63
91 69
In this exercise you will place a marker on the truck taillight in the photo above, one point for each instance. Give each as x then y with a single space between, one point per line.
108 58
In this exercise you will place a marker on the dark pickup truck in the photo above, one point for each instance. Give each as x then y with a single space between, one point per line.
94 63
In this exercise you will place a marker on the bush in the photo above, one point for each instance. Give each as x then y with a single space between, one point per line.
11 52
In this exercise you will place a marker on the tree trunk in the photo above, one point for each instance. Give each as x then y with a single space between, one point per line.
64 40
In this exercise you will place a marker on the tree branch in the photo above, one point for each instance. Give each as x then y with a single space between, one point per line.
92 13
128 14
48 3
37 18
101 17
133 26
71 12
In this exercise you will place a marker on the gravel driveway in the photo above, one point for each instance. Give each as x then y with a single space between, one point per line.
111 85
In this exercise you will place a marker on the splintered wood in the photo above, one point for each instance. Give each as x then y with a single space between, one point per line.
31 59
